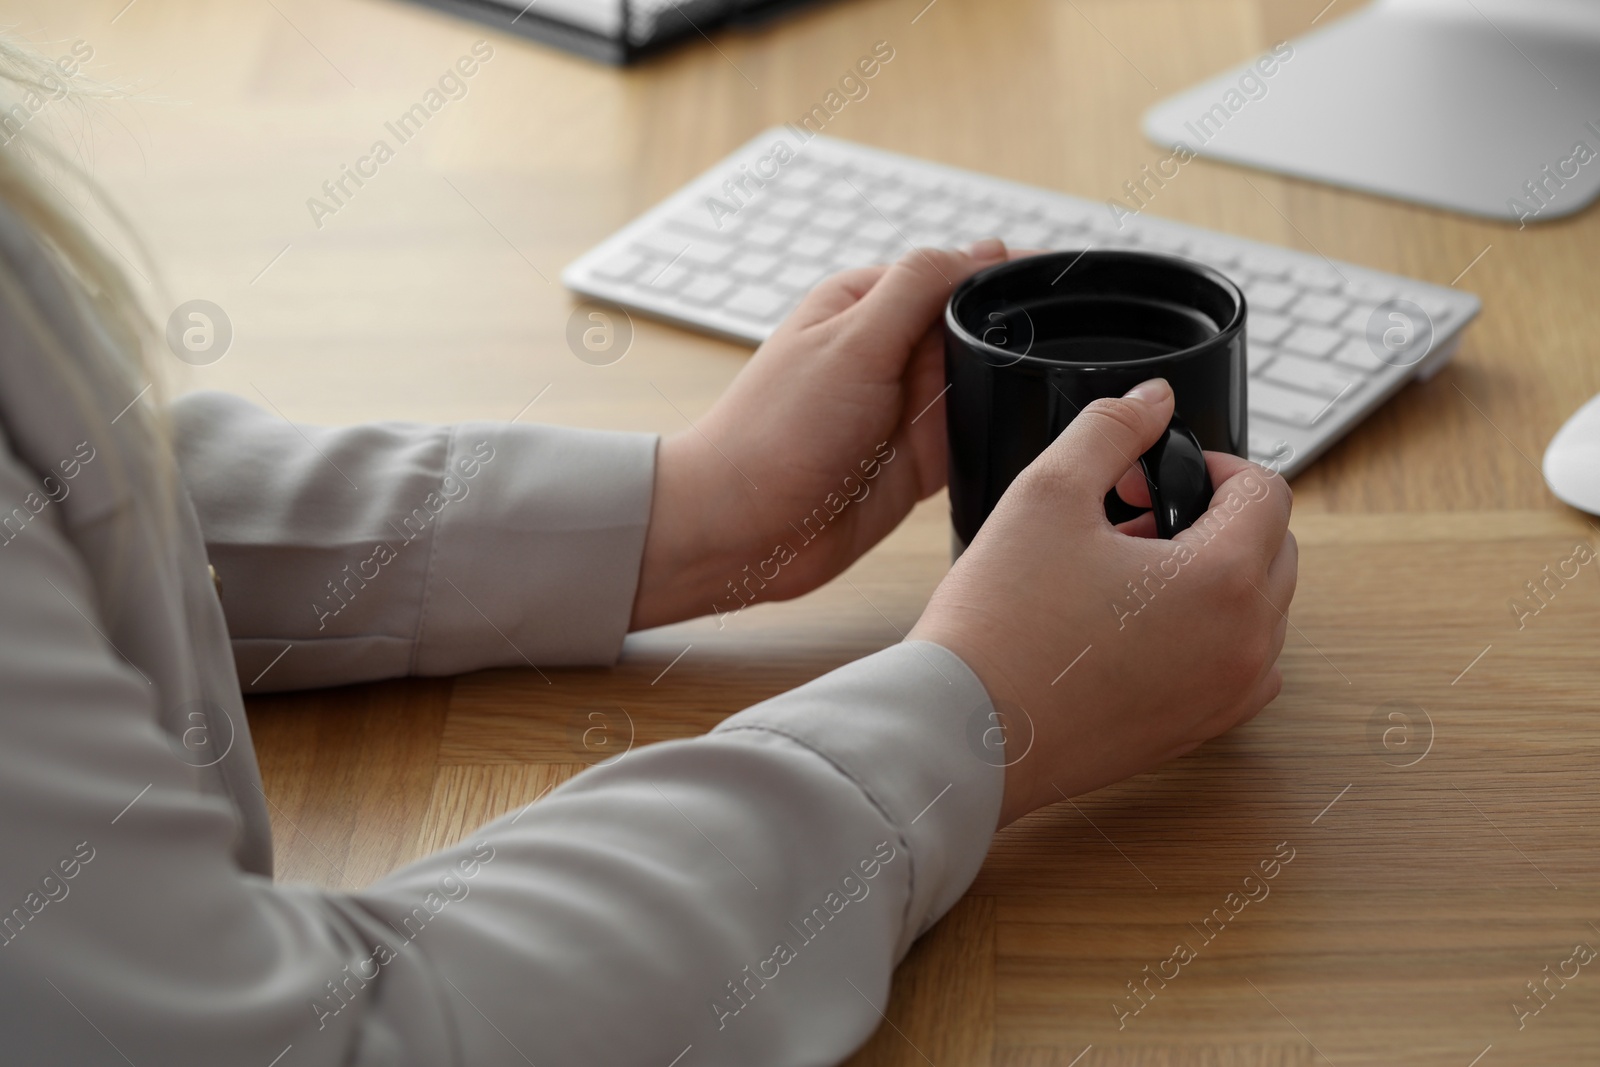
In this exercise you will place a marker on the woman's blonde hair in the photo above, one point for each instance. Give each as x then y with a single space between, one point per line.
38 183
26 188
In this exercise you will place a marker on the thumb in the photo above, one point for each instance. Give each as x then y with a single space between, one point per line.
1108 436
907 300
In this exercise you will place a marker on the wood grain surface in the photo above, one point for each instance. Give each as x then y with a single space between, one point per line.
1431 766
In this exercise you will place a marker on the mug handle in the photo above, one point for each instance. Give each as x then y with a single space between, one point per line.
1175 472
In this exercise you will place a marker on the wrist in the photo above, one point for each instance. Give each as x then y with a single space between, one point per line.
686 551
958 632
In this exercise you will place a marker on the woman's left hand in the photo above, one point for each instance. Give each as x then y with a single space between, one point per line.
821 445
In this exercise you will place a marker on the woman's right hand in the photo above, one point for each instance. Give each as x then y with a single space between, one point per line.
1179 639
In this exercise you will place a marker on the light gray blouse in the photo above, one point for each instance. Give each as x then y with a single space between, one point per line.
740 898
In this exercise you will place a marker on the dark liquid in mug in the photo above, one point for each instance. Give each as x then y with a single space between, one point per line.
1098 329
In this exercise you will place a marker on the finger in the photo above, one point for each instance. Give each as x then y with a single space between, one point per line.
1223 466
1106 438
1265 692
834 294
1283 574
1133 489
1249 511
1261 693
1139 526
1280 634
923 416
911 295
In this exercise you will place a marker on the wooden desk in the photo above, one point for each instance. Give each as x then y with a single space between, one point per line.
1421 898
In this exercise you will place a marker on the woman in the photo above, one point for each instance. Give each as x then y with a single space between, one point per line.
738 898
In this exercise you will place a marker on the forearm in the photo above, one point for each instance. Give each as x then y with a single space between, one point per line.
718 892
722 893
851 808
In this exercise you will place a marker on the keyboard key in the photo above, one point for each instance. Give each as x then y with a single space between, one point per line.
1270 296
801 179
706 289
753 266
800 277
1319 276
1312 376
1368 291
1356 319
1314 341
1264 264
1284 405
759 302
1321 310
1103 225
840 192
892 202
707 253
832 219
1025 234
861 254
1358 355
789 209
1068 240
664 244
920 186
876 229
1281 454
697 222
620 266
1063 218
934 212
1268 328
1257 356
1165 242
918 236
1011 205
811 245
1270 446
766 235
986 223
666 278
960 235
1214 253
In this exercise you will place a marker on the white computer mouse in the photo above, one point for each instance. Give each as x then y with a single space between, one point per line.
1572 462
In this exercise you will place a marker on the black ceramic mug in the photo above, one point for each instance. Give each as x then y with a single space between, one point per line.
1030 342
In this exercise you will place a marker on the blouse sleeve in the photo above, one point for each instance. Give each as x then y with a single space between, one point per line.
392 549
732 899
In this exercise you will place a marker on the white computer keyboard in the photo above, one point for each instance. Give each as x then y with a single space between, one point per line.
729 256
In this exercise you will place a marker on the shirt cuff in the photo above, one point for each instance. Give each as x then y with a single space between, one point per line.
550 555
909 727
